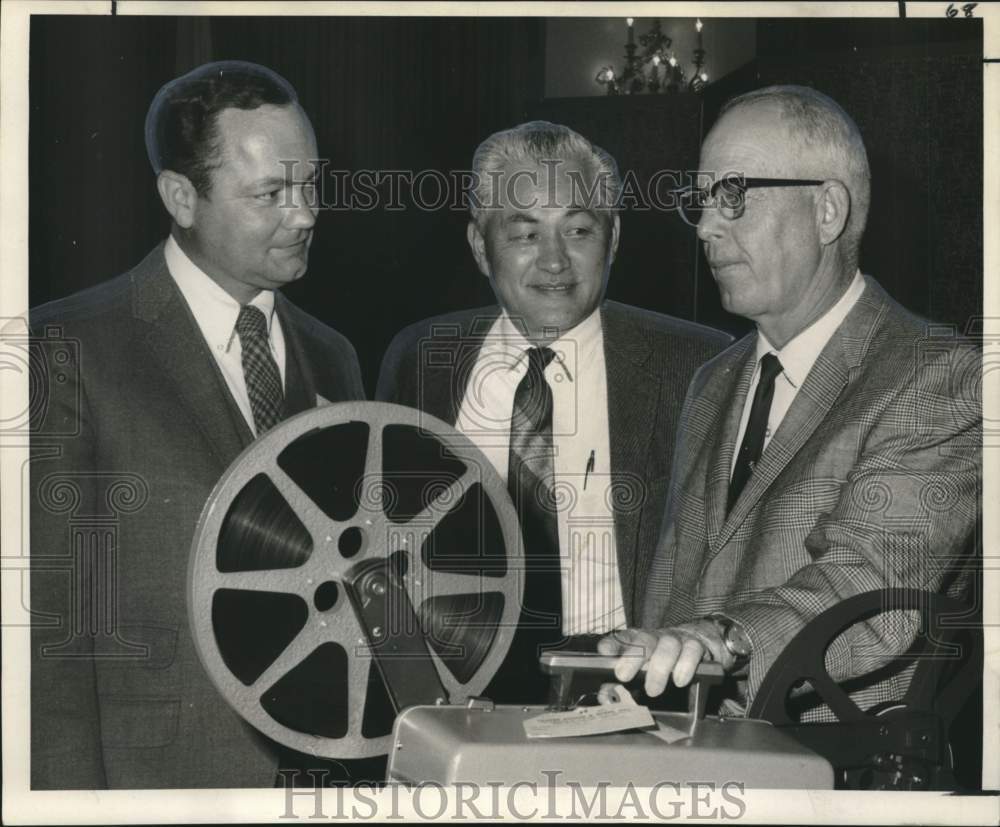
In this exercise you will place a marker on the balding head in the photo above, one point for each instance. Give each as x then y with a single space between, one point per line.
824 143
786 250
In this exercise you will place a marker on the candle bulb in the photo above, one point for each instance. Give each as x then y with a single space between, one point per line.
698 24
631 31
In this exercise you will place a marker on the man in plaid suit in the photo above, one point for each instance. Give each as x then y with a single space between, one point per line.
834 450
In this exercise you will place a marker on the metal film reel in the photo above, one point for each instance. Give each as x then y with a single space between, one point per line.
353 543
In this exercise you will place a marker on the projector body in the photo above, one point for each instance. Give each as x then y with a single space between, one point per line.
481 744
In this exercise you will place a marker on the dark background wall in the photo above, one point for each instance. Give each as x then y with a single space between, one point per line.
915 89
418 94
382 93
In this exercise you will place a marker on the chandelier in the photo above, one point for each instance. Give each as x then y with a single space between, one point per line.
656 69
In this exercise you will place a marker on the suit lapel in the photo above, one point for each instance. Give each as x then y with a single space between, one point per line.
444 388
831 372
300 385
446 369
728 395
177 345
632 393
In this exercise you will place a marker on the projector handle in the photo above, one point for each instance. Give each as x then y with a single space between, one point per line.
563 665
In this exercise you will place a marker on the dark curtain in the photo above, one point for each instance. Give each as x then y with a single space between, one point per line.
93 208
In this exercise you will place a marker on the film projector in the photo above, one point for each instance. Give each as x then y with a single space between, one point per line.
354 585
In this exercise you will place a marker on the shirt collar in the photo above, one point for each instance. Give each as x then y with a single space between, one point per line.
799 355
213 308
573 348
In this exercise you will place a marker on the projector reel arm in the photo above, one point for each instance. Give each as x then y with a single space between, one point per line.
399 648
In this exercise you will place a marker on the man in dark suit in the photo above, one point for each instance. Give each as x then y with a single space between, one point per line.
573 399
834 450
153 383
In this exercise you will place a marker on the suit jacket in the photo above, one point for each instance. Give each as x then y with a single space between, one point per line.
649 360
133 426
871 481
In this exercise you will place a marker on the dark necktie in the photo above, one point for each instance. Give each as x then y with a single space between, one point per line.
529 479
753 437
260 371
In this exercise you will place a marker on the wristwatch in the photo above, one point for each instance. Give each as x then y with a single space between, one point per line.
734 637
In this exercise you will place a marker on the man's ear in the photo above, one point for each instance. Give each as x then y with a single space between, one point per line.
616 226
833 210
179 197
477 243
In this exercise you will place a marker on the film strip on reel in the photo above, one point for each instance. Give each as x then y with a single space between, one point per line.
295 548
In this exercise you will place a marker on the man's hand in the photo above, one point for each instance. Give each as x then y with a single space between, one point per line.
675 651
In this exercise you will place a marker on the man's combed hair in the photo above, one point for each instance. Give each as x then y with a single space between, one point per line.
818 123
182 121
534 144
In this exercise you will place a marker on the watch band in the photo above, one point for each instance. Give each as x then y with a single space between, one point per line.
734 638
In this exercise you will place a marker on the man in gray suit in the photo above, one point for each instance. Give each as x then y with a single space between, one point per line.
834 450
153 383
573 399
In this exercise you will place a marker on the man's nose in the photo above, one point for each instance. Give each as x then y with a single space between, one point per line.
552 256
711 224
300 213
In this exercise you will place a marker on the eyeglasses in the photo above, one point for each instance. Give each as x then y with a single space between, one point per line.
728 195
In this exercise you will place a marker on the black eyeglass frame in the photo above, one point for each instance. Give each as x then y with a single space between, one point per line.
734 186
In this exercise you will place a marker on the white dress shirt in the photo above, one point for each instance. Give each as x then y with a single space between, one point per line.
797 358
216 311
591 590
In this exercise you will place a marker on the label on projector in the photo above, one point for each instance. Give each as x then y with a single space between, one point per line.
589 720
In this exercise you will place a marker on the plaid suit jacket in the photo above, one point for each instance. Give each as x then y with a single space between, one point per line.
872 480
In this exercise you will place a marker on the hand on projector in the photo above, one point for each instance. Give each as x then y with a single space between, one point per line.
665 653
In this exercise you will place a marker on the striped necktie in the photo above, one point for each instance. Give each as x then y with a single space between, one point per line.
530 479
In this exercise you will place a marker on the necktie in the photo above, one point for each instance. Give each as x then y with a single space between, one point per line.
259 369
753 437
529 479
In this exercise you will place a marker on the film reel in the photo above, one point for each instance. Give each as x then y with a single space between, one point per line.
357 553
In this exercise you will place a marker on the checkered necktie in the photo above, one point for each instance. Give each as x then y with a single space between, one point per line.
263 380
